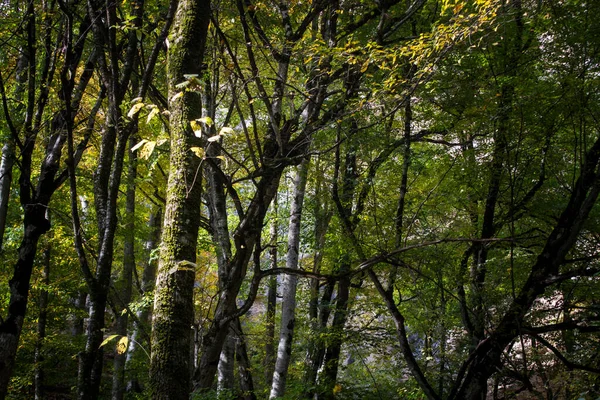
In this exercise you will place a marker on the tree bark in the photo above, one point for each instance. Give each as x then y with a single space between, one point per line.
269 361
8 157
38 380
288 306
171 363
225 370
243 363
141 326
124 285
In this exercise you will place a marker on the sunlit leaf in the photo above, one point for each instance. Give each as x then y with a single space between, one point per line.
182 85
122 345
176 96
199 151
214 138
108 339
152 114
223 159
135 109
226 131
205 120
138 145
147 150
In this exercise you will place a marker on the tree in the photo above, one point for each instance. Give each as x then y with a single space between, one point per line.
171 363
35 197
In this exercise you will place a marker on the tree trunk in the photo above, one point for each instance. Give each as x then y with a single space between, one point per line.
243 363
8 150
332 355
317 348
124 285
38 380
115 78
288 306
8 157
10 329
246 237
225 375
141 326
269 361
171 359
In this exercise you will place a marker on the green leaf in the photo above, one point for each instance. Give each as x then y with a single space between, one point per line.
205 120
152 114
108 339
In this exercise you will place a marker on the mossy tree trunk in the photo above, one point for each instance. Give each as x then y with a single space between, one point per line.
171 360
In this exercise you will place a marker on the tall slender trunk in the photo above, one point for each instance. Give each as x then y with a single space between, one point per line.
171 359
329 374
269 361
124 285
318 347
38 380
141 326
8 150
6 165
115 78
288 306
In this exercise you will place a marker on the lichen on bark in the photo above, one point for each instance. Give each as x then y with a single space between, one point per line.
171 362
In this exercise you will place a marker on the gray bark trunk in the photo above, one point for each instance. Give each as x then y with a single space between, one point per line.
225 370
269 362
288 307
8 157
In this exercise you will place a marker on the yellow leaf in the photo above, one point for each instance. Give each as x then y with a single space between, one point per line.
337 388
364 66
222 158
198 151
108 339
195 125
122 345
214 138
